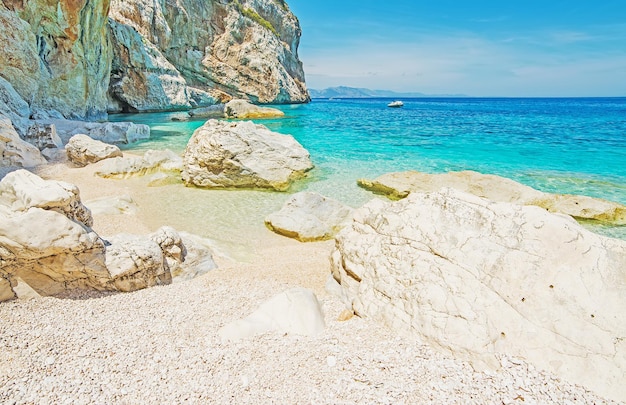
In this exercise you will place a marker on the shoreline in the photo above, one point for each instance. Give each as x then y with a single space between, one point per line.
161 343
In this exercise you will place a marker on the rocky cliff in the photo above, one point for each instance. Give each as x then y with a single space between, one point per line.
57 55
81 58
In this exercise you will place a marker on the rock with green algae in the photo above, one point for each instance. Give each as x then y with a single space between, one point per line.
400 184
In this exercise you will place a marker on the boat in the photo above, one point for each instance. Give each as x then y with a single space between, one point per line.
395 104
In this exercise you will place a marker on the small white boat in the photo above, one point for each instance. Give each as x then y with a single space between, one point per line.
395 104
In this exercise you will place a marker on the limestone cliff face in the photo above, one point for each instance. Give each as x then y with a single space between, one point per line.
82 58
56 54
182 53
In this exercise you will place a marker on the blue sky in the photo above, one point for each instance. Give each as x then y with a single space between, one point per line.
479 48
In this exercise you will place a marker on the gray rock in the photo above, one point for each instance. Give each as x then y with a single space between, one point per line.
214 111
479 278
83 150
108 132
43 136
309 217
223 154
13 106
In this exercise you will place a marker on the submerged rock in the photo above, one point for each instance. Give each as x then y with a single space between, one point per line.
476 278
243 154
82 150
153 161
401 184
309 217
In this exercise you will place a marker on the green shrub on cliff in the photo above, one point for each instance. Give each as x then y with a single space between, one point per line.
254 16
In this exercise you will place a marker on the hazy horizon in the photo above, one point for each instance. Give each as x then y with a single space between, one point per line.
479 49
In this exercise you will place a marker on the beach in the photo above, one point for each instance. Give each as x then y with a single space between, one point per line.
162 344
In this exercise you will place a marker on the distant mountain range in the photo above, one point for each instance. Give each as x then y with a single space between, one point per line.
354 92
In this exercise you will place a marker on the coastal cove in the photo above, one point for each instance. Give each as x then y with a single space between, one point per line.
570 146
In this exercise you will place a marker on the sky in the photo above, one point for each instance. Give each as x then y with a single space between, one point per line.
507 48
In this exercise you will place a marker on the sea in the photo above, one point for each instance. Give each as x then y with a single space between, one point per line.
558 145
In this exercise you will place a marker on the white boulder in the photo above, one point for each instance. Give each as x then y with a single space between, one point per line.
243 154
308 217
135 262
45 236
47 246
476 278
293 311
83 150
14 151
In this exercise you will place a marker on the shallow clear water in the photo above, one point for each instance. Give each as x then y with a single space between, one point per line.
575 146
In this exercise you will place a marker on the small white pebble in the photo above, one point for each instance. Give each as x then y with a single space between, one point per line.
331 361
49 360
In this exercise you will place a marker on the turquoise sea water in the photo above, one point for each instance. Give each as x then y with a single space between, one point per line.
567 145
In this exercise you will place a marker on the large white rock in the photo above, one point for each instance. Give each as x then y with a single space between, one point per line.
45 236
47 246
242 109
476 278
83 150
135 262
293 311
400 184
243 154
308 217
13 150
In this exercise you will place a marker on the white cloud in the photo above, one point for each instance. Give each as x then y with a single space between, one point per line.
466 63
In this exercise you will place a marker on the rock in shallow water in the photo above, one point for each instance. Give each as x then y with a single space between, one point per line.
309 217
400 184
243 154
477 278
82 150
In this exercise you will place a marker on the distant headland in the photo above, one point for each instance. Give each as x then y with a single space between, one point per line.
356 92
